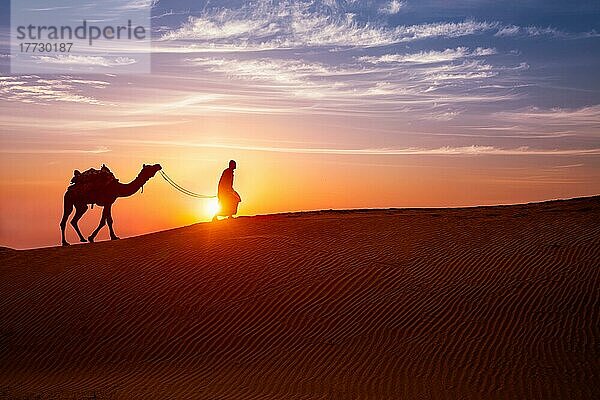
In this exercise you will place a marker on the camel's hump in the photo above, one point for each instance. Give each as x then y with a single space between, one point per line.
95 176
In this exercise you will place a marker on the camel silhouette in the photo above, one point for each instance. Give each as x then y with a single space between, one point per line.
103 189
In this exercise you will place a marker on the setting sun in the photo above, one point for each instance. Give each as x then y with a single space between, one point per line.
210 207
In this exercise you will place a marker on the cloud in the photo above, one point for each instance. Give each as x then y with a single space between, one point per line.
589 115
513 30
138 4
97 150
286 72
444 116
86 60
286 25
296 78
392 7
266 25
568 166
425 91
427 57
311 75
49 8
536 31
32 89
472 150
442 29
466 71
329 62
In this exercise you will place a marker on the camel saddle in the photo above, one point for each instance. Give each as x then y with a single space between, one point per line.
97 177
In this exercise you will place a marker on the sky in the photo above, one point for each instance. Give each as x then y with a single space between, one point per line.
323 104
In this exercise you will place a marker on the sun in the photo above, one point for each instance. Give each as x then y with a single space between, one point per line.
211 207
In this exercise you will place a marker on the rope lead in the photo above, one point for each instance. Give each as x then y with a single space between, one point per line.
183 190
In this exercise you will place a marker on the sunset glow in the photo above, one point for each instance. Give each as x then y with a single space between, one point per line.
211 208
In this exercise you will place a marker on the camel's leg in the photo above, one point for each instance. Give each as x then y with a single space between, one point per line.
102 223
67 209
109 220
80 209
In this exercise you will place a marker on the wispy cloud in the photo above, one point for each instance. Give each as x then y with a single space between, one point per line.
464 71
97 150
370 76
425 91
296 25
86 60
589 115
434 85
138 4
568 166
439 151
33 89
49 8
294 77
428 57
266 69
392 7
266 25
536 31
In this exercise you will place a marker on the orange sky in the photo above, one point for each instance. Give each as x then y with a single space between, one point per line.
32 185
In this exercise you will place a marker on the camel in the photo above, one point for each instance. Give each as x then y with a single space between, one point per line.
104 194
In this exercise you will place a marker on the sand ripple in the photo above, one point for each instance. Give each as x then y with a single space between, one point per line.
480 303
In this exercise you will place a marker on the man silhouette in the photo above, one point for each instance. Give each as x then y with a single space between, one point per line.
228 197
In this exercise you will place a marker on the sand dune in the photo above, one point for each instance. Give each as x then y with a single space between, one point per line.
475 303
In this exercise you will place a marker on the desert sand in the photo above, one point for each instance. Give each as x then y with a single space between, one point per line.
471 303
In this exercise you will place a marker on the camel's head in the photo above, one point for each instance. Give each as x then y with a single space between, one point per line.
148 171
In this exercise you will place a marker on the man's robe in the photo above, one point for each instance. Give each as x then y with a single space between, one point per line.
228 197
